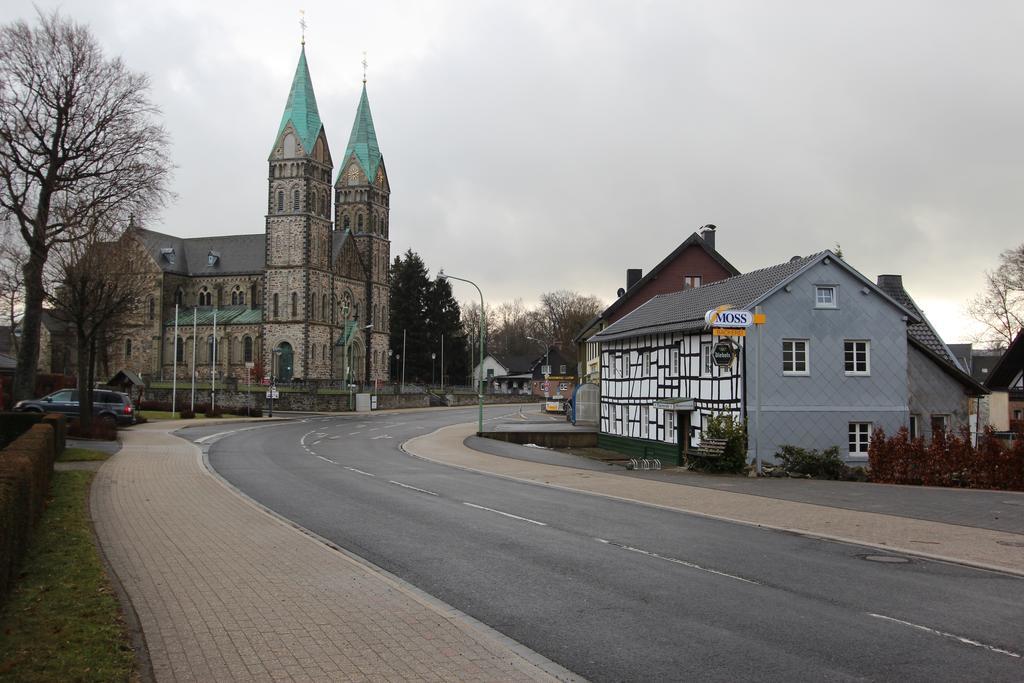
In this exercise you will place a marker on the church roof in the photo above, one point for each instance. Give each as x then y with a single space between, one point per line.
301 108
363 140
234 254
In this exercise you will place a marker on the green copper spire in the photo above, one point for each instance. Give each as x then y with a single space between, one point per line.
301 108
363 140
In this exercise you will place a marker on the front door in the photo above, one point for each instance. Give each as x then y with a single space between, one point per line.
682 437
284 362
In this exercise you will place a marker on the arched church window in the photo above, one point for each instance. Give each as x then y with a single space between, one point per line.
295 304
275 306
234 297
347 222
179 353
359 223
152 308
280 201
247 349
323 308
179 298
241 298
127 349
295 200
289 145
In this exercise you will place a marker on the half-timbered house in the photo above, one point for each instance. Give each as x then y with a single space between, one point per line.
833 364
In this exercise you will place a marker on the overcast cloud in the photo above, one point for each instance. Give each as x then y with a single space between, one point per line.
534 146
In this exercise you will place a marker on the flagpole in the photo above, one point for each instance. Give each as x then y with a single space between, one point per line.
174 377
195 328
213 365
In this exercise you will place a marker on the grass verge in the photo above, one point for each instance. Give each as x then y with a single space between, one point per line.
62 622
81 454
154 415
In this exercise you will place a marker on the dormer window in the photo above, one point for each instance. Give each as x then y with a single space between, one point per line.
212 258
168 254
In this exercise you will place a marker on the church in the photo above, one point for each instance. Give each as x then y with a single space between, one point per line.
305 299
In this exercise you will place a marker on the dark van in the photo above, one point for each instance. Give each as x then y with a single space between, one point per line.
112 406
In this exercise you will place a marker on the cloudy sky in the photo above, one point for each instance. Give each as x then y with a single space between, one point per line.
534 145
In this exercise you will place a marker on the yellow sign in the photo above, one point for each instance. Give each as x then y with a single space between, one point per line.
760 318
729 332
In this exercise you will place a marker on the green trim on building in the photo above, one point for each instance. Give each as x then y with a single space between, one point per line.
228 315
301 109
667 453
363 141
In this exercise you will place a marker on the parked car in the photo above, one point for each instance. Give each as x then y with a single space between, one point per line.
112 406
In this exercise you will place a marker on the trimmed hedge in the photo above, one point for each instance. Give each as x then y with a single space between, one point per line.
13 425
949 459
25 469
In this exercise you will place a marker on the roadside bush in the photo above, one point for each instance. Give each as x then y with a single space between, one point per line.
734 458
186 414
99 429
824 464
949 459
214 412
25 469
13 425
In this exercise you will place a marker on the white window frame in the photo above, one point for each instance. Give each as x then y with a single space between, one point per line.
946 421
647 363
819 289
645 418
807 358
670 426
707 364
867 358
914 428
675 360
618 365
858 438
692 281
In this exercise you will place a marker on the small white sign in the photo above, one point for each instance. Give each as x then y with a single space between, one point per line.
273 393
729 319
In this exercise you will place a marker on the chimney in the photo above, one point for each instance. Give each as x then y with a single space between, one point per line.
707 233
890 282
633 276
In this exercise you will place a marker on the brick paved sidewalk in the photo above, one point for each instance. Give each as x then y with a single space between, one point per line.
225 591
998 550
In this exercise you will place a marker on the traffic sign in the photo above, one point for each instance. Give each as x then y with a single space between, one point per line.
273 393
723 353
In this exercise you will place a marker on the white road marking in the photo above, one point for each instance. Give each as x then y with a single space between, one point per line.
332 438
353 433
506 514
316 442
211 437
965 641
327 459
382 436
674 560
360 472
406 486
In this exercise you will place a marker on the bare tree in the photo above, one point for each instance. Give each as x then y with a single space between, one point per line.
79 151
12 292
96 289
1000 306
563 314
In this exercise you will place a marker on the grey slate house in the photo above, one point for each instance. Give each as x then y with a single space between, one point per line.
835 364
942 394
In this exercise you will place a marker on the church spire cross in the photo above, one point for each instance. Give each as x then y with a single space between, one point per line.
365 64
302 25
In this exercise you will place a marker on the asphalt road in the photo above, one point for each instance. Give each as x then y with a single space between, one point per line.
620 591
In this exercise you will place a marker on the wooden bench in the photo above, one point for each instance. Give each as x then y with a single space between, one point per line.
709 448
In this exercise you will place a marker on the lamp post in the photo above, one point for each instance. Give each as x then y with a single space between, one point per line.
480 379
273 382
547 363
432 357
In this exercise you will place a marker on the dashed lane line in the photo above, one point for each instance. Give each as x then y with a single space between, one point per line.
412 488
944 634
506 514
327 460
675 560
353 469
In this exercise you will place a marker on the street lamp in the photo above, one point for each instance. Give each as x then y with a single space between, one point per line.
432 357
273 382
480 379
547 363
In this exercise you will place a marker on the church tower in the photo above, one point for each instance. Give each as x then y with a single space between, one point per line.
362 205
297 284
